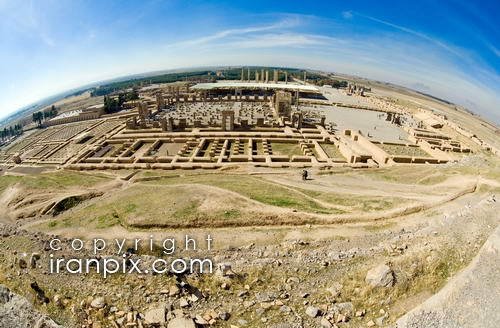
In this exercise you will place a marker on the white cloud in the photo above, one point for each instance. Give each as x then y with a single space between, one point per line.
347 14
273 40
453 50
24 18
288 22
494 50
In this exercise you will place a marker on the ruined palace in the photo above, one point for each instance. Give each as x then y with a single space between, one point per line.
260 122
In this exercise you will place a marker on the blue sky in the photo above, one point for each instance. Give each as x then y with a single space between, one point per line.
450 49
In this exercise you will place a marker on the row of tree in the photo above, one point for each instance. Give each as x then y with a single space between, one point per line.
334 83
11 131
41 116
112 104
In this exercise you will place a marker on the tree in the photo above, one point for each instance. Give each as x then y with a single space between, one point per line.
121 99
132 95
38 117
111 105
53 111
19 129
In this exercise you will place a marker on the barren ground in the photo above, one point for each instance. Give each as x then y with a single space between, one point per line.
295 238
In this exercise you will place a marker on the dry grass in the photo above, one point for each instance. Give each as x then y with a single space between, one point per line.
53 180
415 275
289 149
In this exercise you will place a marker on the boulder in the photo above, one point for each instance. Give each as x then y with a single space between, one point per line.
155 315
224 316
380 276
174 290
183 302
335 289
344 308
226 270
33 259
199 320
181 322
22 263
58 300
98 303
325 323
312 311
17 311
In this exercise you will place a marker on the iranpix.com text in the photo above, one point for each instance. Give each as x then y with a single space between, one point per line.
114 256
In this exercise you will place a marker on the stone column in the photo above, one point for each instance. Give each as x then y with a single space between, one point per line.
160 101
163 124
298 119
227 114
182 123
